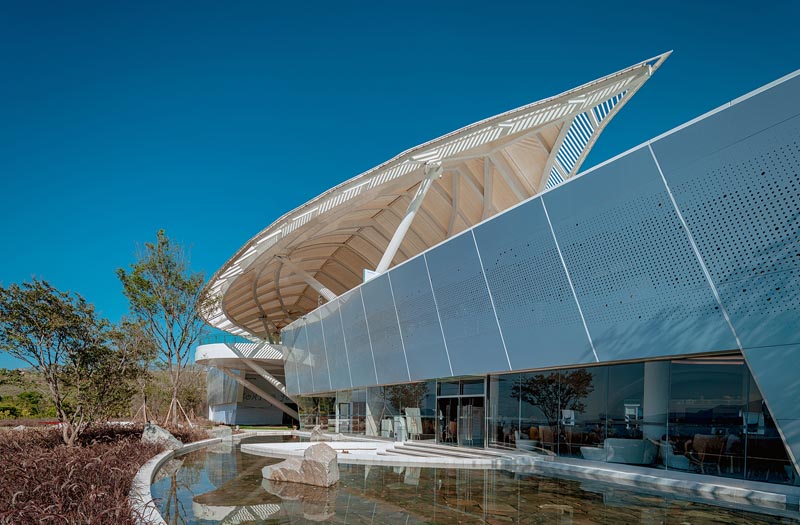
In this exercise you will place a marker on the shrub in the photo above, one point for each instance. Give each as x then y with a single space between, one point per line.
44 481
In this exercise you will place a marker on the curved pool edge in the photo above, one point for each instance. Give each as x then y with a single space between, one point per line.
143 508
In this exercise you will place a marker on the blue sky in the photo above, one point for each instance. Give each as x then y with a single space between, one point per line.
211 119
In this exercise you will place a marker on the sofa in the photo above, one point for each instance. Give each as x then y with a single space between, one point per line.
618 450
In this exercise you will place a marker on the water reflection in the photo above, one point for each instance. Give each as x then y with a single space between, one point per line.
218 486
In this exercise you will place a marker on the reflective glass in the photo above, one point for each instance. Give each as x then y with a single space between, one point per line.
504 412
705 415
765 454
582 421
625 399
539 398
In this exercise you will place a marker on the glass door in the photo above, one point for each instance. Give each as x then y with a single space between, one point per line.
470 422
447 408
461 421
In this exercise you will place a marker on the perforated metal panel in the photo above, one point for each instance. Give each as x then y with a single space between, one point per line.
732 125
638 281
742 205
465 308
303 360
356 336
288 336
769 367
419 322
537 312
318 352
390 360
334 344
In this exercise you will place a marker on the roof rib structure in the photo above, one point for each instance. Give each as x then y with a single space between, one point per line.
321 248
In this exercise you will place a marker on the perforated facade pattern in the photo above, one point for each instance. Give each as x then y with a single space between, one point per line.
384 331
465 308
356 337
744 210
535 307
416 310
317 352
637 279
688 244
335 347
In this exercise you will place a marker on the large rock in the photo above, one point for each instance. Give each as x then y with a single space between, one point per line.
318 467
156 435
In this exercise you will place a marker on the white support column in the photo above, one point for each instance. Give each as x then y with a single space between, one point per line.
253 388
432 171
259 370
551 159
308 278
656 399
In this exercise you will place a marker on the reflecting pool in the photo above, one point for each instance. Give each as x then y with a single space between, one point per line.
222 485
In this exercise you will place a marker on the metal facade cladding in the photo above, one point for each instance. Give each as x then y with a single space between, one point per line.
687 244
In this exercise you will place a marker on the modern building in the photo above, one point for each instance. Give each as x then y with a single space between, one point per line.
644 311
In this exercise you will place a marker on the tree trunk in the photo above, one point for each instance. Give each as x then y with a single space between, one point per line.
174 406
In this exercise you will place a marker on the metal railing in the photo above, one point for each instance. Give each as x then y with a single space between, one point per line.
223 338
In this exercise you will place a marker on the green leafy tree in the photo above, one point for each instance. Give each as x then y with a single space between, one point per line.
133 337
169 300
61 336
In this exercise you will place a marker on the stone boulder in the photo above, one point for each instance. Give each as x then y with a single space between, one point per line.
318 467
156 435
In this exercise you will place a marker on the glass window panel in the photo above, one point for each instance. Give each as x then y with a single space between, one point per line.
359 411
472 387
705 415
504 413
625 399
539 407
582 420
766 458
448 388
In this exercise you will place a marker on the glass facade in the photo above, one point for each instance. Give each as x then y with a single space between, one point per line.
703 415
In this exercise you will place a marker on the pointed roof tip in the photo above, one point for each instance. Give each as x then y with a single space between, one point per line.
657 60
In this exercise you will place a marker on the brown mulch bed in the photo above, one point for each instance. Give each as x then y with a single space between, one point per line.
44 481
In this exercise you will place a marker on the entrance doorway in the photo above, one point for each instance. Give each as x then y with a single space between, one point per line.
461 413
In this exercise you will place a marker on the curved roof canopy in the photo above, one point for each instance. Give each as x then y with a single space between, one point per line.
323 247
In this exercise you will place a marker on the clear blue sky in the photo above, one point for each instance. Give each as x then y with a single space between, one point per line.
211 119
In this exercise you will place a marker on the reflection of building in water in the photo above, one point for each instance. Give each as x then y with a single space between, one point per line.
642 312
420 496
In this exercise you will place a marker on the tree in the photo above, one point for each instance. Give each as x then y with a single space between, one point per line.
60 335
555 391
169 300
133 337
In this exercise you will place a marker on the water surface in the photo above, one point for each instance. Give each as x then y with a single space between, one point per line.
222 485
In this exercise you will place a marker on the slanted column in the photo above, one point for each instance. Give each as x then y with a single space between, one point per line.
259 370
253 388
433 170
308 278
